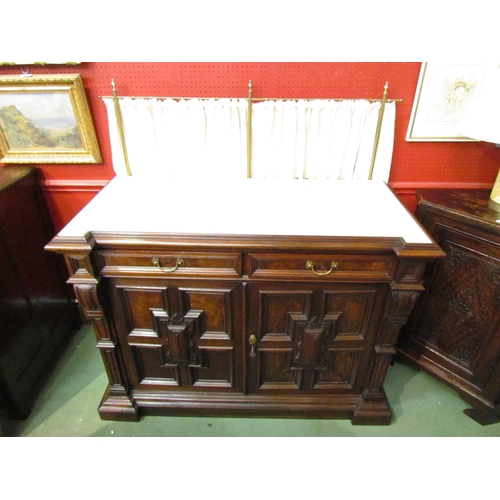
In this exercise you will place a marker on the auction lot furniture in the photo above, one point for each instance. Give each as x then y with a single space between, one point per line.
246 297
36 308
454 332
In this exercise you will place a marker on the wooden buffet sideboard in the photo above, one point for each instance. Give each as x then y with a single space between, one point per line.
251 297
454 331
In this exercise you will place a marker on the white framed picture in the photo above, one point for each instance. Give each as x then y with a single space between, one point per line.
444 93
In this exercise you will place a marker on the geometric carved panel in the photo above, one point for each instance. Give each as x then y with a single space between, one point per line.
311 337
179 340
463 304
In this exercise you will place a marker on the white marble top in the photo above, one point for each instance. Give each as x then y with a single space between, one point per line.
247 207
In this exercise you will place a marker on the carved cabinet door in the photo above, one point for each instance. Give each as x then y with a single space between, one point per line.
178 335
312 336
461 317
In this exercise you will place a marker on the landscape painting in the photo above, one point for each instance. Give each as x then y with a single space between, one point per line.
46 120
39 121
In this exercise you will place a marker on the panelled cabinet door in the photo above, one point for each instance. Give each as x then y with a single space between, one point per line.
462 318
312 336
184 335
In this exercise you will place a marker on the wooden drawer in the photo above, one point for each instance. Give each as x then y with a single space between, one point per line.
178 263
329 266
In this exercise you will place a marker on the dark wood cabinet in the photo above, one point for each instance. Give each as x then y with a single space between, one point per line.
195 314
36 308
454 331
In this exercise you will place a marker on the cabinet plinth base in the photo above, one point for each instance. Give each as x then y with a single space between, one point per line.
346 406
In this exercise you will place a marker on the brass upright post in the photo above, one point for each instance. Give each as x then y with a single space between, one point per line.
119 122
377 133
249 131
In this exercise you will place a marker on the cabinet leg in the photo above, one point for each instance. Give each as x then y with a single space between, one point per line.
373 410
482 417
118 405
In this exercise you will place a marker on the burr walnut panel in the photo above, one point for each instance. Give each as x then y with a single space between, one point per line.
335 266
183 263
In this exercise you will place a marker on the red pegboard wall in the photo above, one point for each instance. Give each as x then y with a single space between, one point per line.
413 163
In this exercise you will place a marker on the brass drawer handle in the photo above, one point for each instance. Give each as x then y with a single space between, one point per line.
252 341
310 265
178 263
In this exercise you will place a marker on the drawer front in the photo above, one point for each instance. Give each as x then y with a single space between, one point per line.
327 266
178 263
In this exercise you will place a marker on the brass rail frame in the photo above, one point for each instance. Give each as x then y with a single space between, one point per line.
119 121
251 99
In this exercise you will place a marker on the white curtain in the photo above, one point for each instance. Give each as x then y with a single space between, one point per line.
193 137
319 139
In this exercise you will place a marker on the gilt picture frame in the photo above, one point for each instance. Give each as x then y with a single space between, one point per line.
444 92
45 119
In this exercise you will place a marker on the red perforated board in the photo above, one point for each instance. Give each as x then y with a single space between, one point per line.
413 163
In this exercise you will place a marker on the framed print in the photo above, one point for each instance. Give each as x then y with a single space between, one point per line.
444 92
46 119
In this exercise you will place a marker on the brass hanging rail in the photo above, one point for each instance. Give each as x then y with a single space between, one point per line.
255 99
